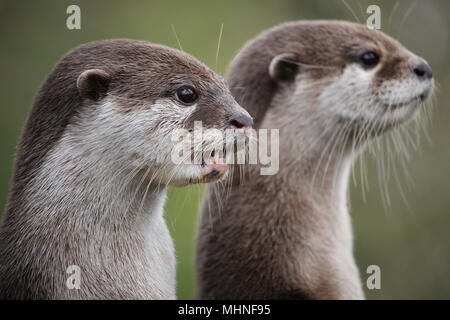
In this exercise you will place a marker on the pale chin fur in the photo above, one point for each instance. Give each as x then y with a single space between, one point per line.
353 98
140 140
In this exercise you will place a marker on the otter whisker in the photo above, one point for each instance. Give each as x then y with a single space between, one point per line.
407 13
321 158
393 13
310 66
337 142
176 36
363 15
351 10
340 155
144 176
218 45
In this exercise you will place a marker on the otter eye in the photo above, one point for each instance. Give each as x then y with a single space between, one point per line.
186 95
369 59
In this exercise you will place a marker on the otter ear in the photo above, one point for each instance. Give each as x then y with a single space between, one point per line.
283 67
93 84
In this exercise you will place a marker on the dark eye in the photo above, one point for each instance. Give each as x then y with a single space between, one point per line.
369 59
186 95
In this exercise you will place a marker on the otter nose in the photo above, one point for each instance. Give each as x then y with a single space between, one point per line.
423 71
240 121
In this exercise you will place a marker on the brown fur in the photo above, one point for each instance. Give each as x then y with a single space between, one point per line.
271 238
37 244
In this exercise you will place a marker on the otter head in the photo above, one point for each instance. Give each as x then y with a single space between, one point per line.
135 95
343 77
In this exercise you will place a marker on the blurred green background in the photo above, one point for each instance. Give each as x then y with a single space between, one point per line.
409 237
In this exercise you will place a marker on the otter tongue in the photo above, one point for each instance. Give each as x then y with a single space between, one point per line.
217 164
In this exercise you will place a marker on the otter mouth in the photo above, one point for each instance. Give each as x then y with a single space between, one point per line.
213 163
212 170
209 160
212 167
213 174
417 99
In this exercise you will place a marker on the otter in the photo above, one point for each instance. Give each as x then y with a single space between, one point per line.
93 166
329 87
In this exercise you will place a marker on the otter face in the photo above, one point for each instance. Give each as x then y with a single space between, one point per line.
136 107
359 78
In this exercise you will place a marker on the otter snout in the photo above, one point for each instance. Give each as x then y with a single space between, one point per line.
423 73
222 115
241 121
422 70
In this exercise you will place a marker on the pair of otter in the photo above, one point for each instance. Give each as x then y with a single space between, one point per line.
94 162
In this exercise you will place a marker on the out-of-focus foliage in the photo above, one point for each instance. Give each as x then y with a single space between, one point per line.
408 237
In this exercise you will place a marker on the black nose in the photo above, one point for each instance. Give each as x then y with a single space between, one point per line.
241 120
423 71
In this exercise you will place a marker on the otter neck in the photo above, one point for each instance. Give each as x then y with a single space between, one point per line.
311 190
99 194
321 178
315 155
315 171
87 211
